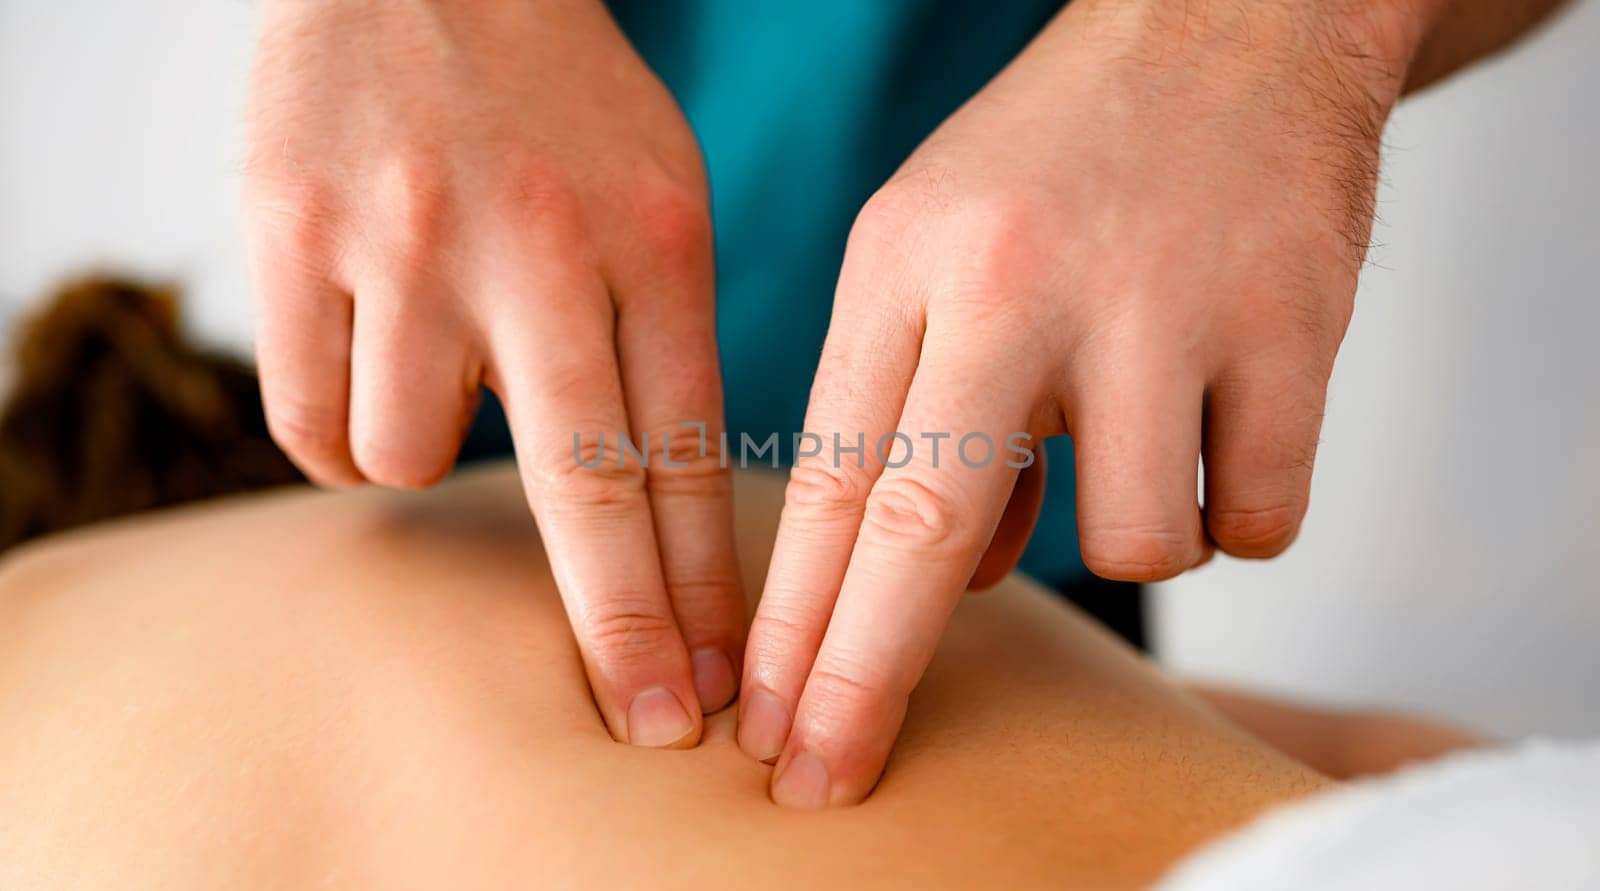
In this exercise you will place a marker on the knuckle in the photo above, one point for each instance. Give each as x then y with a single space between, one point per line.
783 624
686 467
707 603
1255 531
541 194
674 222
413 195
911 513
892 213
574 381
998 235
538 181
307 430
890 209
997 238
596 473
716 586
786 631
827 491
1302 323
842 685
1134 554
626 627
295 222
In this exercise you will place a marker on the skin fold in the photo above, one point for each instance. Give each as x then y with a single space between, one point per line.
380 689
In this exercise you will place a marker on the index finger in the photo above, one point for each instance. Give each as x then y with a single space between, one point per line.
823 504
557 373
924 529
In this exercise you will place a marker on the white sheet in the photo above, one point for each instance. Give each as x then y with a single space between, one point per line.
1526 817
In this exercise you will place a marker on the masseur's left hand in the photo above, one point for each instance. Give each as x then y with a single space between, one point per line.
1145 233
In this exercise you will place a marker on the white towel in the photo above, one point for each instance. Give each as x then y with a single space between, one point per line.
1525 817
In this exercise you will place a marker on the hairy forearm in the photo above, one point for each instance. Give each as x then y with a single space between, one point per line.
1392 47
1463 31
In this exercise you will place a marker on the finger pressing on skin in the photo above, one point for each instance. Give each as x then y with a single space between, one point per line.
866 368
1136 439
667 346
924 529
412 389
303 327
1260 442
556 372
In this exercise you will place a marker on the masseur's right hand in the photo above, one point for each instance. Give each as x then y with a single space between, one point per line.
440 196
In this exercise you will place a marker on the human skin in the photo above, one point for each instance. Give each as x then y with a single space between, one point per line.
1343 743
1145 233
377 689
440 196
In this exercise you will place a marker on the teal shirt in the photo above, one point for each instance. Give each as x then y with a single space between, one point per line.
803 109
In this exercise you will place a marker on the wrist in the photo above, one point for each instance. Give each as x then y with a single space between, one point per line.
1395 29
1365 43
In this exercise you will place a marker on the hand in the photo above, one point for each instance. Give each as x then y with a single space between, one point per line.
1146 233
440 196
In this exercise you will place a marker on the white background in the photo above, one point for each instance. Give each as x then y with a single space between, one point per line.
1452 557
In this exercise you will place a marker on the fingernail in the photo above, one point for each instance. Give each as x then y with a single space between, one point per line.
656 718
714 682
802 783
763 725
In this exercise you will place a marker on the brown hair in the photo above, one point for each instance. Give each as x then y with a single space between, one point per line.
112 412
